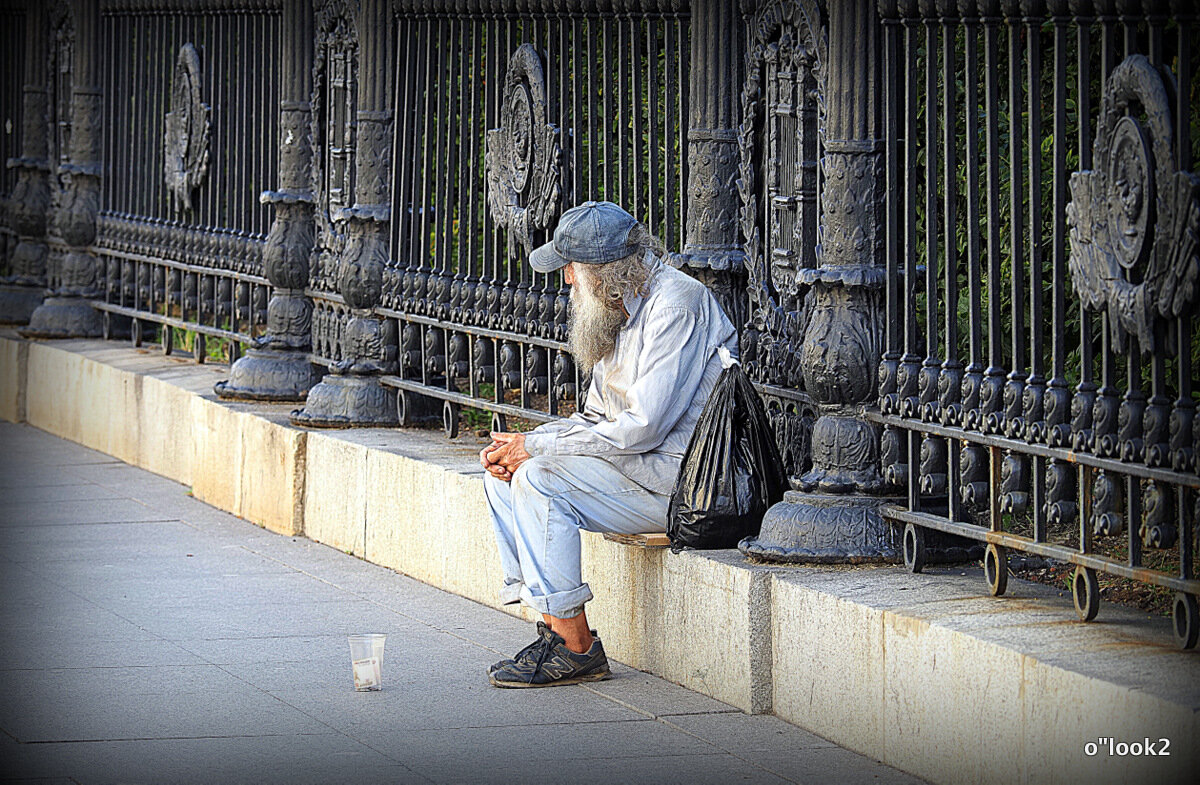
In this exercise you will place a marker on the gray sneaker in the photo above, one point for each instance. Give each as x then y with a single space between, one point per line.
547 662
495 666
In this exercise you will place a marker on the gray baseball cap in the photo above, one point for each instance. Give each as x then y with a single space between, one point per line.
592 233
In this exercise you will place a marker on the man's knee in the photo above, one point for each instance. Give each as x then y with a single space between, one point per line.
541 473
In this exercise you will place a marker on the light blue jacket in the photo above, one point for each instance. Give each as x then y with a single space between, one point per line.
646 397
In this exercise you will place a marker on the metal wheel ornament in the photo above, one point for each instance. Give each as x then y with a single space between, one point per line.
1085 589
499 423
403 409
1186 620
450 419
914 548
995 569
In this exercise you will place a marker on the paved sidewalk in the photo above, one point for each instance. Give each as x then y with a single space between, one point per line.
149 638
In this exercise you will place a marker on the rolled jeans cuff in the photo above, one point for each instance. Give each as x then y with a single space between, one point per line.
511 593
560 605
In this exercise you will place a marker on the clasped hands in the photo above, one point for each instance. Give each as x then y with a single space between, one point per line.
502 457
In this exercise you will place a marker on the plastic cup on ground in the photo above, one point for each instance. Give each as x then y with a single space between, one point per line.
366 657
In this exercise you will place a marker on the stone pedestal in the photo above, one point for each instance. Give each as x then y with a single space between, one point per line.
269 375
345 401
65 317
819 528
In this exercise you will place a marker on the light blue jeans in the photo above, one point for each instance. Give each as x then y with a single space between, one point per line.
538 516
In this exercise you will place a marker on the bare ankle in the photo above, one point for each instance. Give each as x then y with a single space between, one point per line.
576 634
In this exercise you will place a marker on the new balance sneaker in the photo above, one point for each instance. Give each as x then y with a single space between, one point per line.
541 627
547 662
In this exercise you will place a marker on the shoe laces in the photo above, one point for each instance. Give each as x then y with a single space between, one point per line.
547 647
523 652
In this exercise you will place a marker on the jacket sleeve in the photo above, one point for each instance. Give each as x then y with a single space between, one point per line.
670 370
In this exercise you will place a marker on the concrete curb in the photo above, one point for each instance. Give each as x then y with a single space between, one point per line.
924 673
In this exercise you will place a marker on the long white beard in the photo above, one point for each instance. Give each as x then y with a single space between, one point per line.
592 327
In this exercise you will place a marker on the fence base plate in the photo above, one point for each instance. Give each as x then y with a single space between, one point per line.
825 528
269 375
347 402
65 317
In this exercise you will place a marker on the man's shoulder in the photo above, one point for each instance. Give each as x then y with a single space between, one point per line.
675 288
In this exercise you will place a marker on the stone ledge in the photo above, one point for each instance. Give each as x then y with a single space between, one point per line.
925 673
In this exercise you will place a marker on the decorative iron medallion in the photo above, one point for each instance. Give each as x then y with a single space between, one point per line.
524 155
1135 222
186 147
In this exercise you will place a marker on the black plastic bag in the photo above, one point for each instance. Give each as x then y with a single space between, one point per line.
731 472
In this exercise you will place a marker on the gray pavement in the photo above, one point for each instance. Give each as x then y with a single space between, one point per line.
149 638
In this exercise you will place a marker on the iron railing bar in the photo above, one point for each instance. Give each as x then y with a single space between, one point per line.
182 266
975 368
638 110
215 332
422 245
932 363
404 82
892 305
418 42
606 141
682 97
1016 542
1071 456
1036 380
469 181
466 400
1017 374
785 393
428 321
578 120
912 336
670 46
593 143
994 373
1057 394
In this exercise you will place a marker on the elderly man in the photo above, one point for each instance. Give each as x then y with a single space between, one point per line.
650 334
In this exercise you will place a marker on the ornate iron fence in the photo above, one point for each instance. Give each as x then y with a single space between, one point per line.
191 140
1038 391
502 116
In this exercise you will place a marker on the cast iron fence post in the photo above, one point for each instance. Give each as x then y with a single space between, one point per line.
278 368
836 515
22 290
67 311
353 395
712 249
